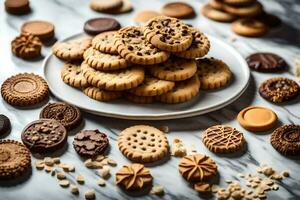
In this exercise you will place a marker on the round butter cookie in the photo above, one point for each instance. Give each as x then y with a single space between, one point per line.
71 74
251 10
180 10
139 99
101 95
217 15
145 15
104 42
103 5
249 28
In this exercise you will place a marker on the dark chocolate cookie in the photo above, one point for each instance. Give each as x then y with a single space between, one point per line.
279 89
98 25
44 136
4 125
266 62
90 143
286 139
69 116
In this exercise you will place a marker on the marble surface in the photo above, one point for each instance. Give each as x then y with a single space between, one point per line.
69 16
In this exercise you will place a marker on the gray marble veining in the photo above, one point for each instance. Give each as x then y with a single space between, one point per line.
69 16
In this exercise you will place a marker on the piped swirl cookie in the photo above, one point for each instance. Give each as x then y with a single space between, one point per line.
169 34
133 46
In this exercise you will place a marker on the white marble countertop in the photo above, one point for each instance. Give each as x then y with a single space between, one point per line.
69 16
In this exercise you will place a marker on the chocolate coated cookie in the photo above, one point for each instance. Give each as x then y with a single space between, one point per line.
4 125
98 25
266 62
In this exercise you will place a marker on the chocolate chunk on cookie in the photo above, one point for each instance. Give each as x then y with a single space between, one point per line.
101 95
286 139
5 125
69 116
279 89
180 10
44 136
90 143
266 62
98 25
24 89
249 27
72 75
104 42
17 7
42 29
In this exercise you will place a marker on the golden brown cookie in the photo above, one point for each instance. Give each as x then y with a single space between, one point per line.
199 47
133 177
223 139
213 73
169 34
239 2
197 168
72 75
116 80
251 10
249 28
24 89
142 143
104 42
133 46
216 4
152 87
102 6
139 99
180 10
145 15
217 15
71 50
183 91
103 61
202 187
101 95
174 69
42 29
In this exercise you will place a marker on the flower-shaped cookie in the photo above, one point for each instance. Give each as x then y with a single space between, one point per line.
26 46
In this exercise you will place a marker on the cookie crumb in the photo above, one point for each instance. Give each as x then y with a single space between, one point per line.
285 173
80 179
111 162
178 149
60 176
202 187
104 172
90 194
164 129
101 182
74 189
48 161
157 190
64 183
39 164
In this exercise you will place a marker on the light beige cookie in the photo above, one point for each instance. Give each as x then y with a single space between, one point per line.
104 42
251 10
101 95
216 4
183 91
142 143
145 15
104 5
213 73
239 2
169 34
174 69
139 99
199 47
72 75
126 7
249 27
114 81
133 46
71 50
217 15
104 61
152 87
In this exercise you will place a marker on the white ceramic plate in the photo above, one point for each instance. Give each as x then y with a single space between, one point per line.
205 102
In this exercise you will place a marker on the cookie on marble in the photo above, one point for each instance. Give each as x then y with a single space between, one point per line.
272 21
213 73
19 7
279 89
239 2
249 27
182 91
71 50
15 160
266 62
180 10
139 99
102 6
24 89
72 75
104 42
174 69
142 143
104 61
145 15
152 87
223 139
216 4
169 34
98 25
44 30
133 46
119 80
5 125
126 7
251 10
101 95
217 15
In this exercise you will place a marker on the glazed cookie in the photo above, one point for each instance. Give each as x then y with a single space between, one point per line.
42 29
133 46
182 91
116 80
143 143
101 95
5 125
223 139
279 89
213 73
174 69
199 47
24 89
69 116
217 15
286 139
251 10
152 87
139 99
102 6
15 160
98 25
103 61
249 27
145 15
71 50
266 62
104 42
178 10
72 75
169 34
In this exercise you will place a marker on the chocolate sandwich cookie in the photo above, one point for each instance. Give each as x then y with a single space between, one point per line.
279 89
4 125
44 136
90 143
266 62
69 116
98 25
286 139
17 7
